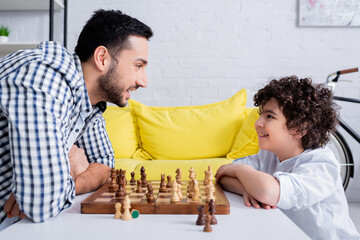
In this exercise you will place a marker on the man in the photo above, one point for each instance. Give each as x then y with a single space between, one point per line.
53 141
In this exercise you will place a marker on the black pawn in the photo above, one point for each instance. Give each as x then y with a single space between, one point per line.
201 217
132 180
212 212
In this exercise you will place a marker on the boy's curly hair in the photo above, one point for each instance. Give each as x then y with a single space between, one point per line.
308 108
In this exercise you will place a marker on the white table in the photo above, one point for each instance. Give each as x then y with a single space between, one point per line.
242 223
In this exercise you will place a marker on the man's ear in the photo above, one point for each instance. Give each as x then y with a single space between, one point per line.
101 58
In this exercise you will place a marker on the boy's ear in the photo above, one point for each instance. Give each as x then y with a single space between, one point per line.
299 132
302 133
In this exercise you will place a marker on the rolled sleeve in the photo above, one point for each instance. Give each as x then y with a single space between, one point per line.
287 198
96 144
307 185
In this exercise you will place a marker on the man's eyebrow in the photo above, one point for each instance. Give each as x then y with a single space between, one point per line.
141 60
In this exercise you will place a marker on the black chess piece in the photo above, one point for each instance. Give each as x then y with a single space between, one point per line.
169 185
132 180
212 212
143 180
201 217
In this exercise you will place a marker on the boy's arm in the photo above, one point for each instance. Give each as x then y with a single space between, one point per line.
232 184
262 186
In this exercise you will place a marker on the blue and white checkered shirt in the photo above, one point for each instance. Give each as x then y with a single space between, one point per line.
44 110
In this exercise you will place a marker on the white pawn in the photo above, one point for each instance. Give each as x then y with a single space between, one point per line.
210 193
126 215
196 196
174 190
179 191
117 211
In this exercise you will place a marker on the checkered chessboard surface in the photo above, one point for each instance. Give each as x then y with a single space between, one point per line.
103 202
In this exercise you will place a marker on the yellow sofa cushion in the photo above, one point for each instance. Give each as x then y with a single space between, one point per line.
121 130
190 132
246 142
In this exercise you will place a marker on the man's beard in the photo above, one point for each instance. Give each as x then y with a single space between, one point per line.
109 88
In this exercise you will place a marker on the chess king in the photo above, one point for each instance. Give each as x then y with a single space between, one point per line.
53 113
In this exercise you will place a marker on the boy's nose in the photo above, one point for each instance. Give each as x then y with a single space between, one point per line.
259 123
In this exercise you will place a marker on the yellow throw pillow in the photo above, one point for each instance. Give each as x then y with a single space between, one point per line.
190 132
246 142
121 130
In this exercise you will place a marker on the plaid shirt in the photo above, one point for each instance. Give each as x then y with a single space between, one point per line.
44 110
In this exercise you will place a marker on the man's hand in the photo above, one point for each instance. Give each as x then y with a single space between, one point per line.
12 208
78 161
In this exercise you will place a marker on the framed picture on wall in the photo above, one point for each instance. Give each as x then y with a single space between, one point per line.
331 13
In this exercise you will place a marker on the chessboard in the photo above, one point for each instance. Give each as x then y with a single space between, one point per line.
103 201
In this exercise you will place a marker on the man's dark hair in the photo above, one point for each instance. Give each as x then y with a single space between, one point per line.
110 29
308 108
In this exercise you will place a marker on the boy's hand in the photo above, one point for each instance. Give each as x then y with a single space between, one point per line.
251 201
225 170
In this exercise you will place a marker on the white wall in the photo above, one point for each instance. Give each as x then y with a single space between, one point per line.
204 51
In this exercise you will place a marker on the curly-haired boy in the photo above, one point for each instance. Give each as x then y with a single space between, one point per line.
293 170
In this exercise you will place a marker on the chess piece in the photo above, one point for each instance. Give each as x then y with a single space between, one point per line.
126 215
113 187
174 190
132 180
143 180
212 212
168 185
179 191
210 193
196 195
162 184
150 194
139 189
117 210
208 176
122 183
193 183
123 173
207 227
142 170
192 173
178 175
120 194
201 217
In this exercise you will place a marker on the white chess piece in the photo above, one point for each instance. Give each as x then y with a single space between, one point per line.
179 191
210 193
117 211
126 215
196 196
174 190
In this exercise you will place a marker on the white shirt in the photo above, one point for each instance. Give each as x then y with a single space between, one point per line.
311 191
